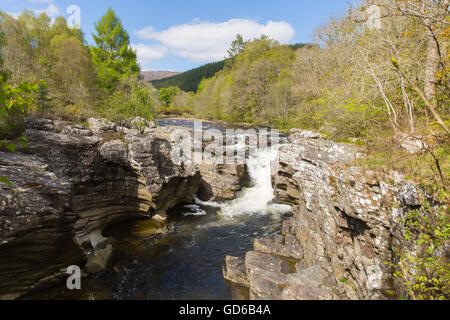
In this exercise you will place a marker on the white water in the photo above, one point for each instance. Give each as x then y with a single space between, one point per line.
256 199
195 210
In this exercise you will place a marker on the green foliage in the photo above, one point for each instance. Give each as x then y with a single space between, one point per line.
131 99
167 95
14 104
237 47
256 88
113 55
425 272
42 99
297 46
189 80
56 57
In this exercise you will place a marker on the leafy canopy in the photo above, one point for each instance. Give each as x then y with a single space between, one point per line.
113 55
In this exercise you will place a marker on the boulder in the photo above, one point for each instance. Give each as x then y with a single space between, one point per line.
40 124
282 245
138 122
411 144
234 271
220 182
305 134
265 275
36 226
100 259
313 283
101 126
115 151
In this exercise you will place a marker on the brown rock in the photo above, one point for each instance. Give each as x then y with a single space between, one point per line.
234 271
100 259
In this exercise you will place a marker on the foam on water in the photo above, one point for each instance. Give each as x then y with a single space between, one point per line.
258 198
194 210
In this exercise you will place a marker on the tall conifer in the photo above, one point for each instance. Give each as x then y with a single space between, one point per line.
113 55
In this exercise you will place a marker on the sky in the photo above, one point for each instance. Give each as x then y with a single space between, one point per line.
179 35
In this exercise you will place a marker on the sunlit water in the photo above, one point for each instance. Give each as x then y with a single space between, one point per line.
184 259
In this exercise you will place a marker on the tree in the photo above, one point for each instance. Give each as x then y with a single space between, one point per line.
189 80
433 17
72 77
132 99
166 95
55 56
113 55
14 103
423 272
237 46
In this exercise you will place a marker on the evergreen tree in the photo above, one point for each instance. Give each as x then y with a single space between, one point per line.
189 80
237 46
113 55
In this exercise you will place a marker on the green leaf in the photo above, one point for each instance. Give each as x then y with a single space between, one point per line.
6 181
23 142
11 147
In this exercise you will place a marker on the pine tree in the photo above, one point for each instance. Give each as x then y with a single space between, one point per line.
237 46
113 55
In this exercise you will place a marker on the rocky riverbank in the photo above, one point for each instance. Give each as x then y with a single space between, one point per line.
74 181
346 222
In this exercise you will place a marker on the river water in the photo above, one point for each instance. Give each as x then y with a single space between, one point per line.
184 258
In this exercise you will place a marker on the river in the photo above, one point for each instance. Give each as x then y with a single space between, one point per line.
184 258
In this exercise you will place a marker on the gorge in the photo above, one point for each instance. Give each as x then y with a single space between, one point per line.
143 227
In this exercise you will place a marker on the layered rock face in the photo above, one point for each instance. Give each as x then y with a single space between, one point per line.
340 236
36 226
219 181
69 185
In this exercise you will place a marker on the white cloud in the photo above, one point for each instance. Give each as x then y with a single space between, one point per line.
52 11
146 54
208 41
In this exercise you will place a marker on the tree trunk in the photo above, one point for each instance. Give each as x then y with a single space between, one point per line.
431 69
433 54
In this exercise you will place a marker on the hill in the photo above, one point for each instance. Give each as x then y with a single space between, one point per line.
189 80
156 75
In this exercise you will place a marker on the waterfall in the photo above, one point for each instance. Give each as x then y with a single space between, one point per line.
256 199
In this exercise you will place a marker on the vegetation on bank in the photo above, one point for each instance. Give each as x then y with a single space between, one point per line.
188 81
75 81
425 275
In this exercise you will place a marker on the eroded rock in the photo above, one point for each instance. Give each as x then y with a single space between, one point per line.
313 283
100 259
70 184
346 222
281 245
234 271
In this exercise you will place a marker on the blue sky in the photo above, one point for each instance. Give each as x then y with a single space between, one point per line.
182 34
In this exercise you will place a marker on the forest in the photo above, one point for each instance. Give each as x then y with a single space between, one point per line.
372 87
48 70
188 81
367 86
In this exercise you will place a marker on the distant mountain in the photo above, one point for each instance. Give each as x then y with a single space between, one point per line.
189 80
156 75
